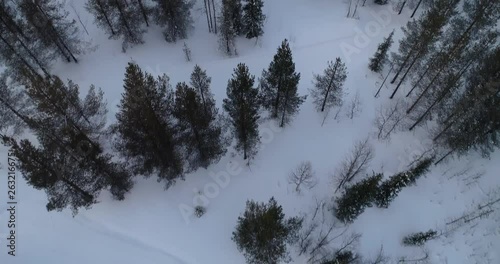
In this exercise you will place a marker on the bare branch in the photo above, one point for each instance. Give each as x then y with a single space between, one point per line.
303 175
354 164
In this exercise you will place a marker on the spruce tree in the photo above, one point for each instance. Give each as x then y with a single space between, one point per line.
69 159
279 85
227 31
200 131
237 16
145 129
48 22
253 18
200 81
262 232
380 57
356 198
390 189
242 106
175 17
328 88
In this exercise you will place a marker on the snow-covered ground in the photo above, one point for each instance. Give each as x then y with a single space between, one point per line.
154 226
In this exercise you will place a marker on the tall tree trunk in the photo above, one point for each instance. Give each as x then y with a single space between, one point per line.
20 57
402 6
284 109
329 87
404 75
215 16
124 19
414 11
387 76
441 97
105 15
143 11
209 15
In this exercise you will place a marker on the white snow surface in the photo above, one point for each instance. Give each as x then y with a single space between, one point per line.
149 226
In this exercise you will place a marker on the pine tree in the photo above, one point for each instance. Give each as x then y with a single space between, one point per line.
145 130
380 57
48 22
227 30
419 239
328 88
236 15
200 131
16 48
201 83
279 84
69 160
420 38
262 232
473 122
175 16
242 106
356 198
390 189
253 19
119 19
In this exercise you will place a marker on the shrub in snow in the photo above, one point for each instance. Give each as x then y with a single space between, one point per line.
199 211
419 239
356 198
390 189
262 232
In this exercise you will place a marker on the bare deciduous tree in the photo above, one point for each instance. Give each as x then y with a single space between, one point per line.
381 258
355 163
318 233
389 118
354 107
303 175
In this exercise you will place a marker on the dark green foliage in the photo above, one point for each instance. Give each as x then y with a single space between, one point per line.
262 232
356 198
199 130
253 18
17 46
328 88
380 2
227 28
242 106
390 189
69 162
175 17
279 85
380 57
200 81
119 19
145 130
48 23
474 121
419 239
343 257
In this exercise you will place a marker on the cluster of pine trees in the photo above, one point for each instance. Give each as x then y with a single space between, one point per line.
33 34
239 20
159 129
450 58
